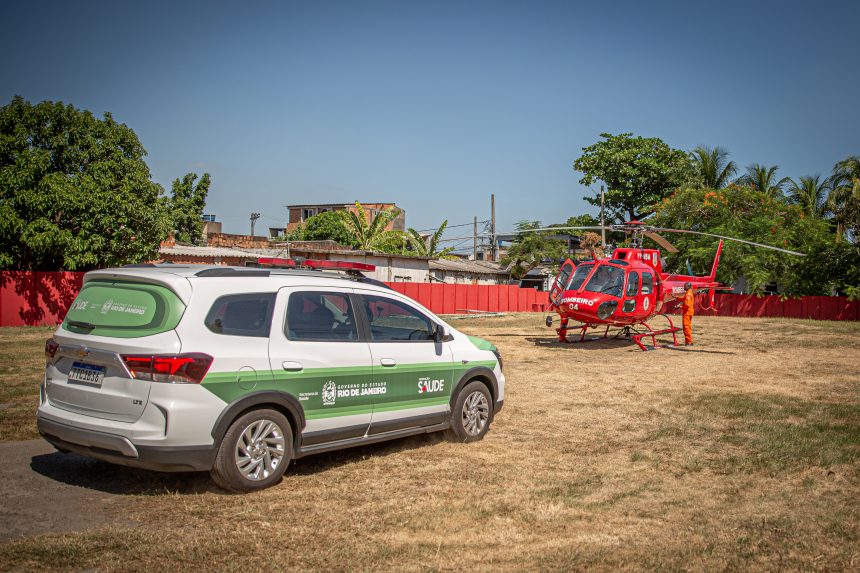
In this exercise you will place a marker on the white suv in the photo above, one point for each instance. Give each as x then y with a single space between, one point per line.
238 370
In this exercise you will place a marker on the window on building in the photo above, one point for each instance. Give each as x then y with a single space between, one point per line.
308 213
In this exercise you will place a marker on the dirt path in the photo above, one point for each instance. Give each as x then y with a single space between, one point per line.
44 491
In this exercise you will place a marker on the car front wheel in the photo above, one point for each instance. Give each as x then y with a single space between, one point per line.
471 416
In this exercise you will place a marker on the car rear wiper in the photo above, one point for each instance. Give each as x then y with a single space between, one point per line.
81 324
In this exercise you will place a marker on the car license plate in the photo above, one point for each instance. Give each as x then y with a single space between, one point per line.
86 374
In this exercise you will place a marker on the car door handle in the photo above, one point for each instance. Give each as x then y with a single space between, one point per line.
292 366
388 362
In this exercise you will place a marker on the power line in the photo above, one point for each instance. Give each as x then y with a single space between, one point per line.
452 226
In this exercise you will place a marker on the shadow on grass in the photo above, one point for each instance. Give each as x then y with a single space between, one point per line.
81 471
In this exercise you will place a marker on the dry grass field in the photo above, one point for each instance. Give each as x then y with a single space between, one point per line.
741 453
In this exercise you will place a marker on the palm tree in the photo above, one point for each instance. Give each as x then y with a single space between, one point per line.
811 193
429 247
368 233
713 166
844 199
763 179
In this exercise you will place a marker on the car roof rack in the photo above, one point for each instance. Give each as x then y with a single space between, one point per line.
349 270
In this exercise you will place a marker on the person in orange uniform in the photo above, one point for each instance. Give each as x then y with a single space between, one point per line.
688 313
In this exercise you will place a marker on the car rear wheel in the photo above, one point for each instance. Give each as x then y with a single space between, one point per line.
254 453
472 414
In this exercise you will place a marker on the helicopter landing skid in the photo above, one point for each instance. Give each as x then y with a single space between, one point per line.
637 338
629 332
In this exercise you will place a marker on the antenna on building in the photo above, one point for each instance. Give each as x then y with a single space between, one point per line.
254 217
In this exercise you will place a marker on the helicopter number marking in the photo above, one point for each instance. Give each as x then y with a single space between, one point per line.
577 300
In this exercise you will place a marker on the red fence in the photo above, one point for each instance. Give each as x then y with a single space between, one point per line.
37 298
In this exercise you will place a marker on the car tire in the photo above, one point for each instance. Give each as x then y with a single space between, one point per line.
254 453
472 413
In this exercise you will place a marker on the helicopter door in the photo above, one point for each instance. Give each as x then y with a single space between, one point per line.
557 291
648 293
631 293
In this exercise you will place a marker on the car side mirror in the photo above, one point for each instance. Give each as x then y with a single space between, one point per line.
441 333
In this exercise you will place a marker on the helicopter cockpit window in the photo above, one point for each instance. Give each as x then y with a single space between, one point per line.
606 279
579 276
632 284
647 283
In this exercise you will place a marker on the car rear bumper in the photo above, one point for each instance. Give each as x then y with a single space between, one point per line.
119 450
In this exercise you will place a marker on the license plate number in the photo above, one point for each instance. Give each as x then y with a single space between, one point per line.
86 374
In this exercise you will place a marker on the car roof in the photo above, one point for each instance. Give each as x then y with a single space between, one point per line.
173 274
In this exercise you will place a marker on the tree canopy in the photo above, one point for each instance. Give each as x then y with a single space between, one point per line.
530 249
638 173
75 192
429 247
331 226
747 213
186 205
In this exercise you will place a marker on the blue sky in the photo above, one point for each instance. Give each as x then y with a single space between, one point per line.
435 105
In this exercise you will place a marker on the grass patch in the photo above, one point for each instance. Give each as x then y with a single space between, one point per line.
738 454
22 367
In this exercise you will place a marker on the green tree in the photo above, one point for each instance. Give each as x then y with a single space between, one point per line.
844 199
810 193
369 233
75 192
745 213
582 221
429 247
328 226
638 173
531 249
186 206
713 167
763 178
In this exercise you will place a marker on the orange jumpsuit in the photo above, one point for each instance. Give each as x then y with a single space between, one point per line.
688 316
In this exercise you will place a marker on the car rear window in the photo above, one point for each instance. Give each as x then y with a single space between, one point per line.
248 314
123 310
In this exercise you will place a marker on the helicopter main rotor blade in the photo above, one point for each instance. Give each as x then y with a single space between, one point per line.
587 228
729 239
661 241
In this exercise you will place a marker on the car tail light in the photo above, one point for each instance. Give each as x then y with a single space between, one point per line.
51 347
172 369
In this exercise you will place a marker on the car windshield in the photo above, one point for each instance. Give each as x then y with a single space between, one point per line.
579 276
606 279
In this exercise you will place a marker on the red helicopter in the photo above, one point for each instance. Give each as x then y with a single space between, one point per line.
627 289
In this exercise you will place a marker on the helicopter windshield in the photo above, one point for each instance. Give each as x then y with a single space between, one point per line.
606 279
579 276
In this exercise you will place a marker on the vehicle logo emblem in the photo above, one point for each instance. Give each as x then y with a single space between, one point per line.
83 352
329 393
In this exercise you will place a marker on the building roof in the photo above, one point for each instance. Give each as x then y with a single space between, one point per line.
192 251
473 267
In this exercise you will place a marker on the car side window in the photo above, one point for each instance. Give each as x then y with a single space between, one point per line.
647 283
632 284
248 314
320 316
391 320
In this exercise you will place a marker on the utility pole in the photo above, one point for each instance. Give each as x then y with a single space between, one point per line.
475 239
493 225
602 223
254 217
